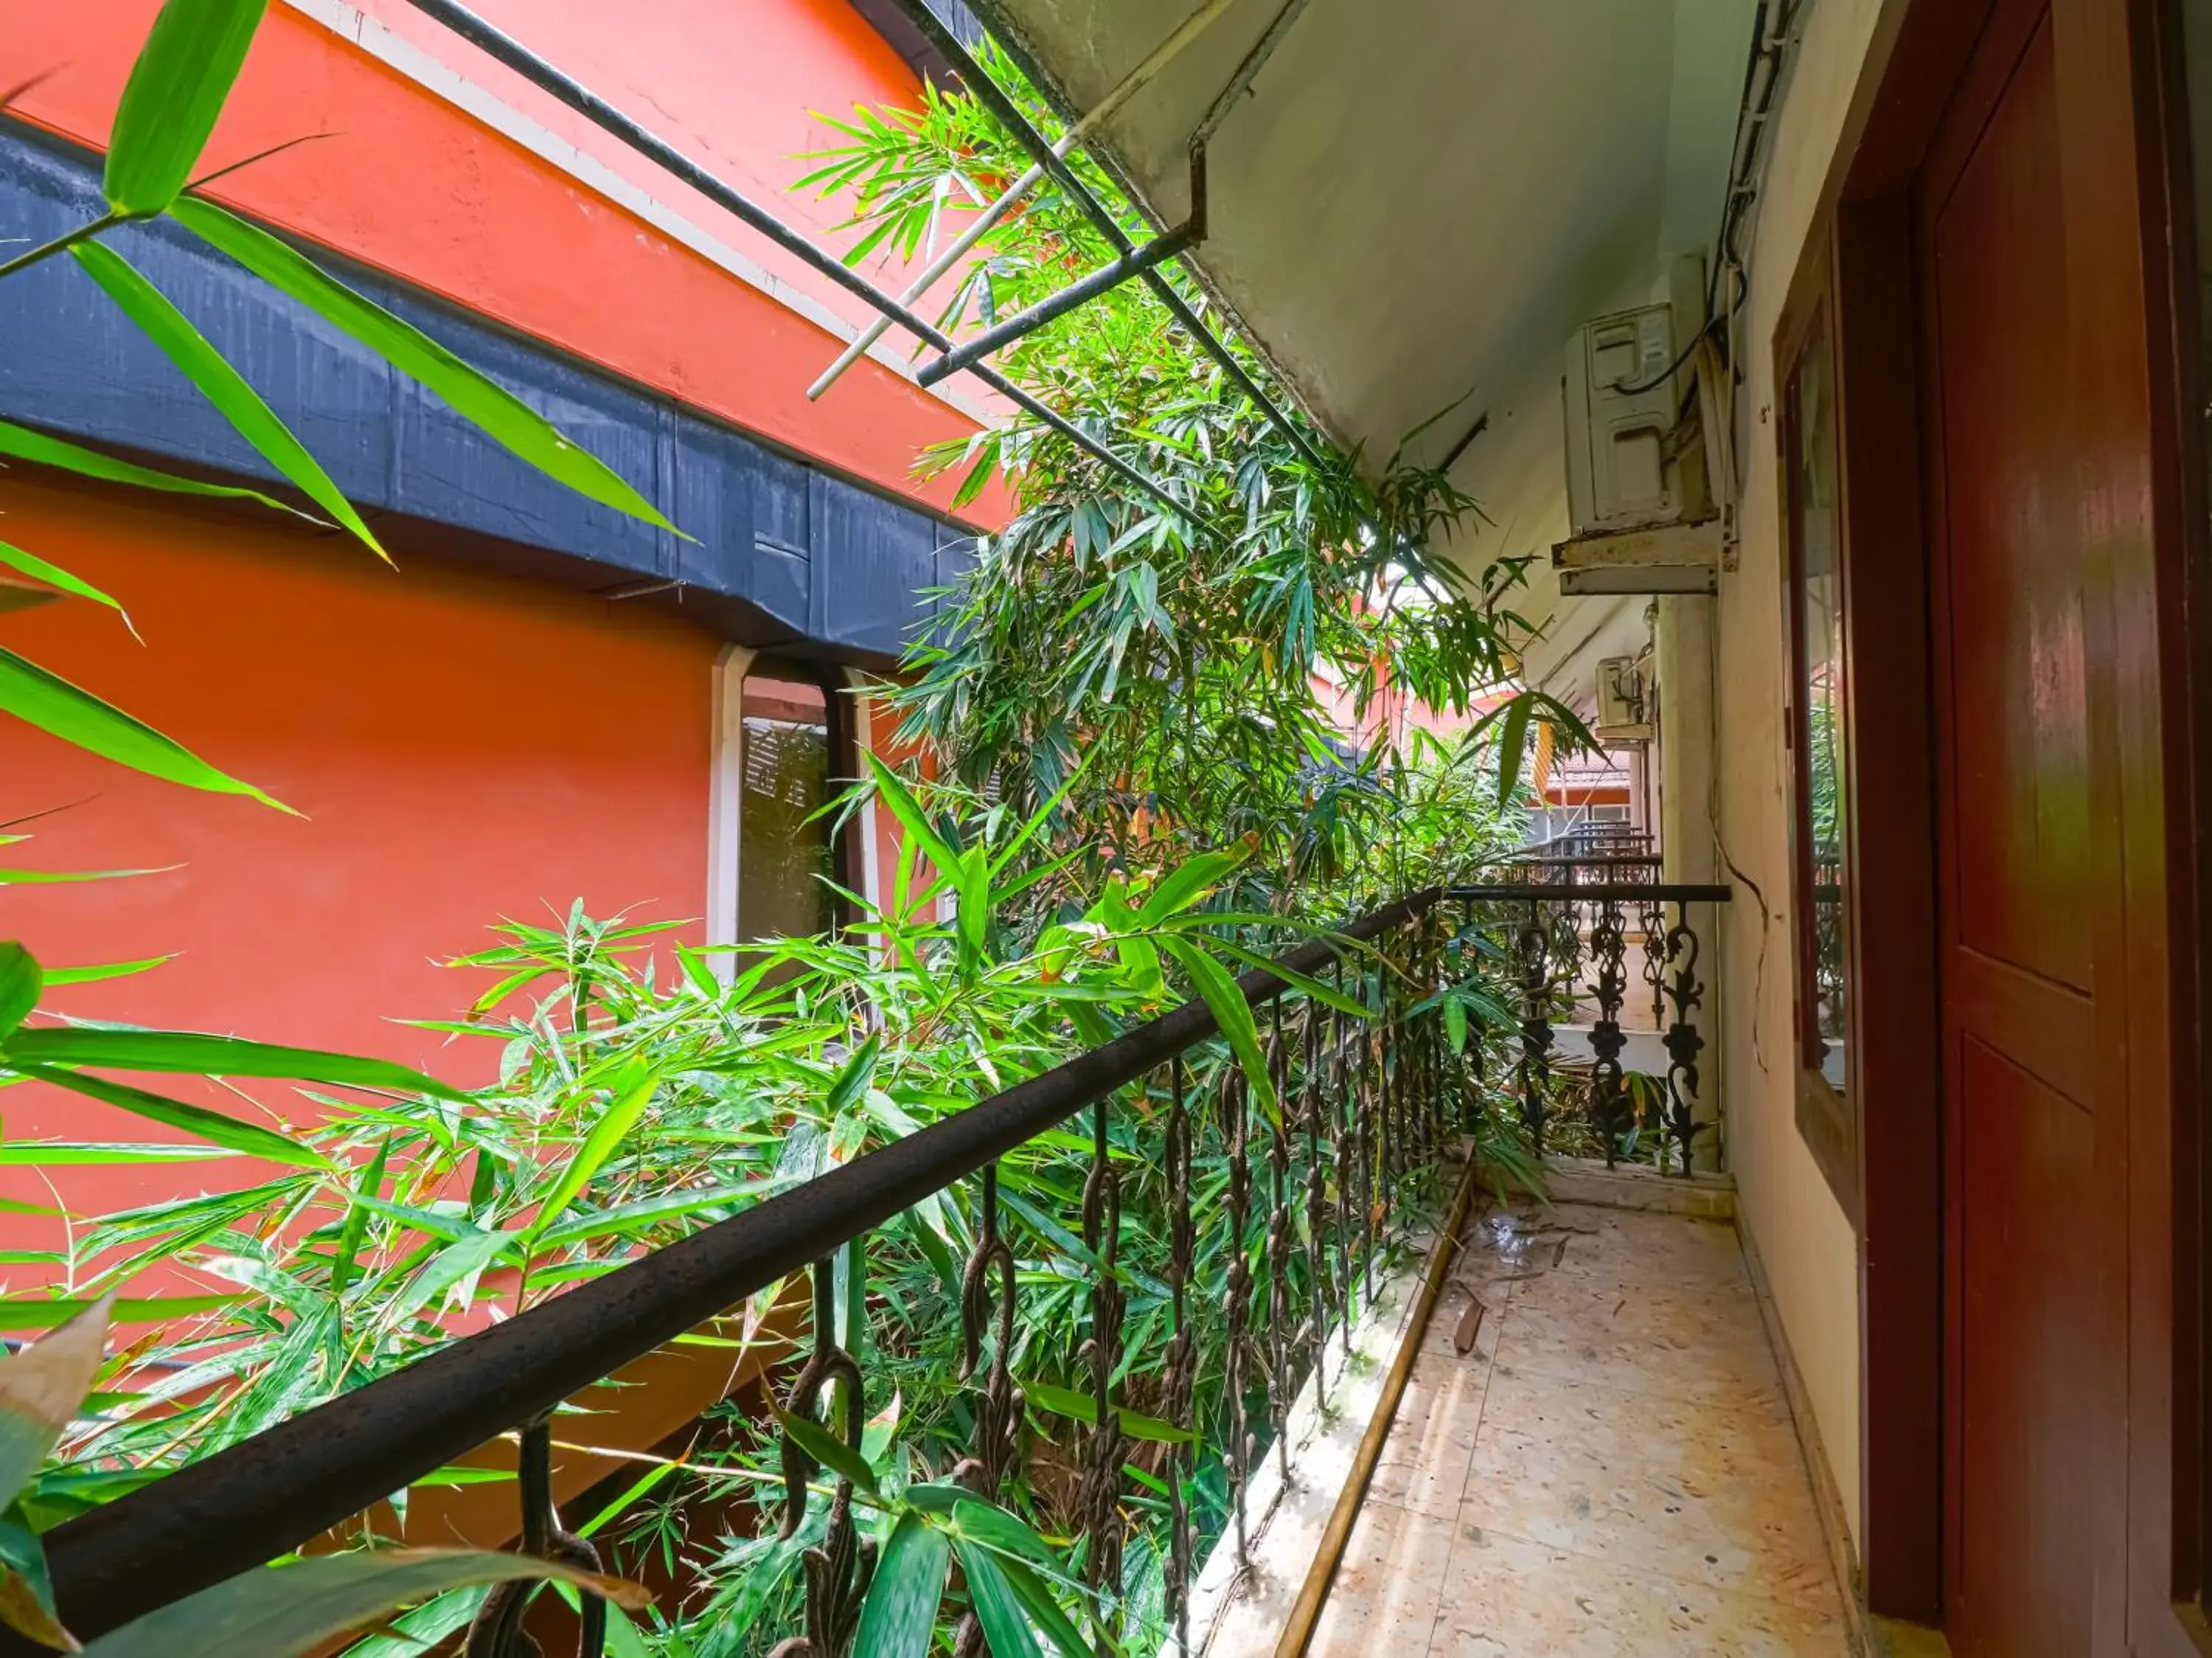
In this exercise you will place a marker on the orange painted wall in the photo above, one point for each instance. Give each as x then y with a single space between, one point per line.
463 745
406 182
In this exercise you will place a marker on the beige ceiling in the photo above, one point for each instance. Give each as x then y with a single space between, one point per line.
1420 200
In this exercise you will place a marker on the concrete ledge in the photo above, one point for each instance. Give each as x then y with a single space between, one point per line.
1631 1185
1241 1614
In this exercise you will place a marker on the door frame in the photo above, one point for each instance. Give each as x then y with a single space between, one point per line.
2134 349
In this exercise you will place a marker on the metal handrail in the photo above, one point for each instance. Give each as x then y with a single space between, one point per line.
291 1483
272 1493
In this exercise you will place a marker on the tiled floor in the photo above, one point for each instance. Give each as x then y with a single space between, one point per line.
1610 1471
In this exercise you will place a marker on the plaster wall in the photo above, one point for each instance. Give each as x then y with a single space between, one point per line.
1809 1248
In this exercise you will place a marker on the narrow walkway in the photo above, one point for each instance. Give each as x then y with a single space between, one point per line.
1597 1463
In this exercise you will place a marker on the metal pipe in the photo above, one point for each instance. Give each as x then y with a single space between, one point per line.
995 99
1123 90
1247 72
1524 892
982 226
515 55
1105 278
269 1494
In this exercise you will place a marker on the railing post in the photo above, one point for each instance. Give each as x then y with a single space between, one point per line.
1346 1158
1317 1272
837 1570
496 1629
1237 1209
1181 1358
1687 993
998 1403
1608 1102
1278 1243
1534 1078
1105 1446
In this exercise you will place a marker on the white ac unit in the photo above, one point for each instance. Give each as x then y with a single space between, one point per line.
1619 692
1621 407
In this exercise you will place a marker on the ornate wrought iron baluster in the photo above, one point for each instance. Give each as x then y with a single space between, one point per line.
1366 1106
1181 1358
1651 918
1609 1106
1685 991
838 1569
1311 1108
1105 1444
1346 1160
1281 1338
1473 1068
1533 944
1237 1456
997 1402
497 1631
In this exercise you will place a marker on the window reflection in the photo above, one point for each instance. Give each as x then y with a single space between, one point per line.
1824 798
783 849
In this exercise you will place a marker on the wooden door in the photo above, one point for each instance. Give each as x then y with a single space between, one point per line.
2027 816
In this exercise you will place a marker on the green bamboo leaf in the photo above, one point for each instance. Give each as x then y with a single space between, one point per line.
1081 1407
1231 1011
1327 995
41 1391
101 970
220 383
203 1055
286 1612
912 819
75 1154
55 576
176 90
151 1309
355 1228
1006 1626
1455 1023
1189 883
53 877
851 1086
985 1523
631 1217
213 1126
633 1089
827 1448
24 444
899 1617
502 416
1038 1601
54 705
26 1587
20 983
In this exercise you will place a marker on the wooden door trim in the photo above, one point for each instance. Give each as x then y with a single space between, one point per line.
1920 51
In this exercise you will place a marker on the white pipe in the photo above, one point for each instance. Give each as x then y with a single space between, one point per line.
938 266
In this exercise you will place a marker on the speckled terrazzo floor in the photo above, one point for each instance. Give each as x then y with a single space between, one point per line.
1609 1472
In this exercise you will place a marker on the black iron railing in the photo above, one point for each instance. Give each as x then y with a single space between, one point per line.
1465 989
1576 946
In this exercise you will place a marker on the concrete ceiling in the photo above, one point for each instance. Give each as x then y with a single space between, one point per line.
1420 200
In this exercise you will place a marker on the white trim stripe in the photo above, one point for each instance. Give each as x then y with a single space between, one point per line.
487 108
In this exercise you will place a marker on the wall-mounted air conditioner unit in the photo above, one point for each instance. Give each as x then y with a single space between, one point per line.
1640 525
1620 413
1624 703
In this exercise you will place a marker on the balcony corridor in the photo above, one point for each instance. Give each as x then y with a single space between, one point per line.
1600 1462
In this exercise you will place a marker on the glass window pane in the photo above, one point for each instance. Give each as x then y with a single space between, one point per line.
1824 799
783 858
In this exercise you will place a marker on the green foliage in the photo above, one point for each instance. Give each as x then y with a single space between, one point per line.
1185 656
